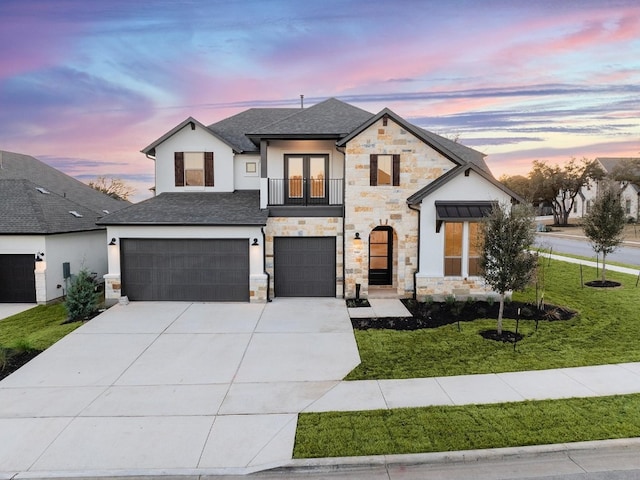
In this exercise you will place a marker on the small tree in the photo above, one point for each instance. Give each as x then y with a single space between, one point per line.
604 223
114 187
81 300
505 261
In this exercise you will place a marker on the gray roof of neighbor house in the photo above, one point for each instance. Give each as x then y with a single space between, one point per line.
610 163
27 209
36 199
241 207
17 166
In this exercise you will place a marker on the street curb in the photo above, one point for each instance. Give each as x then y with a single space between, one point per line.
456 457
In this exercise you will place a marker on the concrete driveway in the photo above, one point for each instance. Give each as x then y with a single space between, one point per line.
8 309
167 387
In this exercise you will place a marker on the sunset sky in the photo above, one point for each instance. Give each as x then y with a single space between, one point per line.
85 85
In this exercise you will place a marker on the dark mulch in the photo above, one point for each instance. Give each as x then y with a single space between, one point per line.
601 284
506 336
357 302
437 314
16 359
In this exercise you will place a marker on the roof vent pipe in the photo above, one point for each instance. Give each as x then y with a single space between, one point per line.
301 101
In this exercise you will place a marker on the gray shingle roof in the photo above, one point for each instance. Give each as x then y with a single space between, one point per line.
330 117
610 163
26 210
235 128
24 167
193 208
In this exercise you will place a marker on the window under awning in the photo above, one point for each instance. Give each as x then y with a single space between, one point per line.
461 211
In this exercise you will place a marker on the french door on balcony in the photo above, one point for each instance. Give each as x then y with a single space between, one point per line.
306 179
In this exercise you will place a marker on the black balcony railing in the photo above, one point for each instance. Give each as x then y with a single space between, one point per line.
305 191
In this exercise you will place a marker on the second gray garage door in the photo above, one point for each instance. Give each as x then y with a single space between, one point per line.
205 270
305 266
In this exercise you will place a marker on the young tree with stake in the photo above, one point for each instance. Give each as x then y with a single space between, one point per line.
505 260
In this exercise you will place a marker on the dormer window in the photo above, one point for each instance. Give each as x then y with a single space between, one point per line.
193 169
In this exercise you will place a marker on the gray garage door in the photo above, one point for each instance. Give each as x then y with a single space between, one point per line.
17 280
305 266
185 270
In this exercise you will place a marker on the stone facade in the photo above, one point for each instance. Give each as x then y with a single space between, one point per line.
367 207
258 288
439 288
304 227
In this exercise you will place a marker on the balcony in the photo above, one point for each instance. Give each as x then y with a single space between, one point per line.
305 191
305 197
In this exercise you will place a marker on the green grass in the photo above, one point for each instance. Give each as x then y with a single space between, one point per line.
606 330
439 429
35 329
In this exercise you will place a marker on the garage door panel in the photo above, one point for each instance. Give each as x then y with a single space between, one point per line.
185 270
17 278
305 266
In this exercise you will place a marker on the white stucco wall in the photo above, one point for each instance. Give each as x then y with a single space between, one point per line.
461 188
198 140
245 180
279 148
84 249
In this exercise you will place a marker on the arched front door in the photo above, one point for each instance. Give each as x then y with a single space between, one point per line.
381 256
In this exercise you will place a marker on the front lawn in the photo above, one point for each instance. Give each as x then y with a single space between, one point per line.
441 429
605 330
25 334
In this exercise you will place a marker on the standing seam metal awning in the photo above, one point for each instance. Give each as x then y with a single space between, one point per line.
461 211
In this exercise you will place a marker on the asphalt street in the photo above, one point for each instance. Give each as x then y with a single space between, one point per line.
574 245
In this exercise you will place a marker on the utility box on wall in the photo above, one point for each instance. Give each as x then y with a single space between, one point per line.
66 270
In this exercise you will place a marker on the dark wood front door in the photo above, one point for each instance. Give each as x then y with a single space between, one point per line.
381 256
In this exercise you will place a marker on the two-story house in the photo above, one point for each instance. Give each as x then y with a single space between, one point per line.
318 201
629 191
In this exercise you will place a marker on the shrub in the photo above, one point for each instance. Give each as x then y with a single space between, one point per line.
82 300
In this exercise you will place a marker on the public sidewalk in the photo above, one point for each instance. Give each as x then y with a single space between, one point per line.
588 263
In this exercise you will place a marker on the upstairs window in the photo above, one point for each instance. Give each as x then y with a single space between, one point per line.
384 170
193 169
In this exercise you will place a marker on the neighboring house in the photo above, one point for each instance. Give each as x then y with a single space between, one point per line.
304 202
629 193
48 229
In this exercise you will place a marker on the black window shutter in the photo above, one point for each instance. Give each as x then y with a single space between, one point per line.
208 169
178 165
373 170
396 169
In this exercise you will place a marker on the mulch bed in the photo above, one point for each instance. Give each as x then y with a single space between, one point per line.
601 284
15 360
437 314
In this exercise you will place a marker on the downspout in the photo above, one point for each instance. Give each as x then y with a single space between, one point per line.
264 262
415 285
344 242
